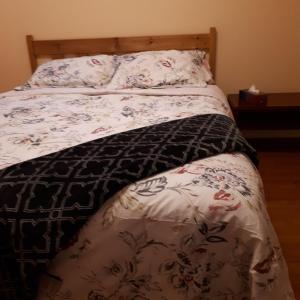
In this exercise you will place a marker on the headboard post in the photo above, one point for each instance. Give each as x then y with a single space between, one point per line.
32 57
213 50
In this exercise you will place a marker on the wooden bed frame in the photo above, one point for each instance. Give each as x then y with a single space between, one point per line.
54 49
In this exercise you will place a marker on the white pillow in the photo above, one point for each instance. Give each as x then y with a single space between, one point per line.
161 68
75 72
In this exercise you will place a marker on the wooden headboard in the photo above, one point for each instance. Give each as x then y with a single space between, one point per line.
79 47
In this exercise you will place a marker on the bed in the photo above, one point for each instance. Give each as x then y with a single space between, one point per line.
196 229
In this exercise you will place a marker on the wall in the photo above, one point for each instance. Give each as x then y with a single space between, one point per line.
258 40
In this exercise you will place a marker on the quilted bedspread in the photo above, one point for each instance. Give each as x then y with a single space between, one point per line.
197 231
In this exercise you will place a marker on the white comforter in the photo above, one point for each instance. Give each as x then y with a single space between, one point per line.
200 231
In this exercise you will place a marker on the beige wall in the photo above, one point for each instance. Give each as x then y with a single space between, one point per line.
258 42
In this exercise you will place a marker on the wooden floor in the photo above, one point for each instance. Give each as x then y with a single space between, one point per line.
281 175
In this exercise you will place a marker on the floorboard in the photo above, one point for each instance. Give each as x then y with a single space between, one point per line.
280 172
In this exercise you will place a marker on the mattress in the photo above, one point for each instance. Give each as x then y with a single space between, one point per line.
199 231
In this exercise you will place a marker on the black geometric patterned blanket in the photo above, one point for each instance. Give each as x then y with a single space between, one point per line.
46 200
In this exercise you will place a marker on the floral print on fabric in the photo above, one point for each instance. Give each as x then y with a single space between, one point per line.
200 231
75 72
162 241
161 68
35 125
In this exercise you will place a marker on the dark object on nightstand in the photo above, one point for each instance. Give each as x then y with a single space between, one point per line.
272 126
248 98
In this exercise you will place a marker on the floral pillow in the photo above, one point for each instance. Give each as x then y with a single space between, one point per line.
161 68
86 71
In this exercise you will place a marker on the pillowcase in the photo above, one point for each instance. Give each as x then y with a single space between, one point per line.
161 68
85 71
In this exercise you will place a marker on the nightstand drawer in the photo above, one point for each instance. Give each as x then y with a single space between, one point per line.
281 119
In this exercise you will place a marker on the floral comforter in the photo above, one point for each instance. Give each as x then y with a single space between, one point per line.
200 231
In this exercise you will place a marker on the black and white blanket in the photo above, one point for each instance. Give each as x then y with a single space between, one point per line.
45 201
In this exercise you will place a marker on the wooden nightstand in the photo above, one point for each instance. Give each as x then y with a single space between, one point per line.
274 126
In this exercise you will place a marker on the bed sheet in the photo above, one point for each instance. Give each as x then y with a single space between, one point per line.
176 235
